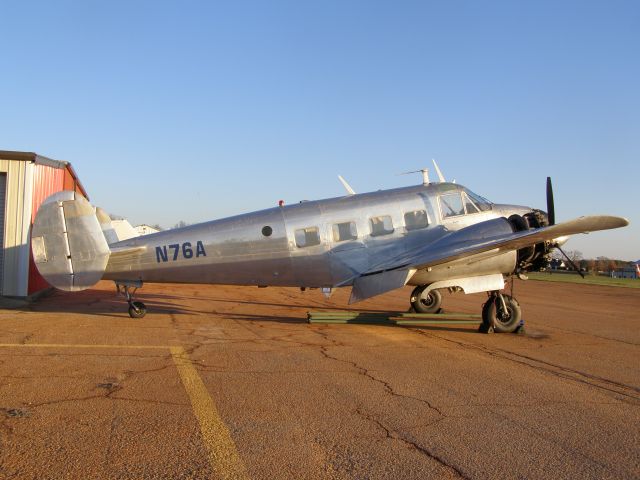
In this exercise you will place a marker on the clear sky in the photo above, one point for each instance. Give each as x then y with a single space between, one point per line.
194 110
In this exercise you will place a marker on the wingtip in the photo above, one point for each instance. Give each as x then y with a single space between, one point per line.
593 223
616 222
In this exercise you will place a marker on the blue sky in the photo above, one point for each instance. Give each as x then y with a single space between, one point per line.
198 110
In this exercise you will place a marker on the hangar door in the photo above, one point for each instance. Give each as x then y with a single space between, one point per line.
3 199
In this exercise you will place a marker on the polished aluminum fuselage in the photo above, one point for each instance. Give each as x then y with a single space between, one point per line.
234 250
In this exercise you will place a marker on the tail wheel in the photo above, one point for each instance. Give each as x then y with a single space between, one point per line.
505 318
426 303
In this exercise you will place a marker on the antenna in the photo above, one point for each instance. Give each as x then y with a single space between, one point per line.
440 176
425 175
346 186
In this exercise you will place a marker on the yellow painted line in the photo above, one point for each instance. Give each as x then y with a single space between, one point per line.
66 345
223 455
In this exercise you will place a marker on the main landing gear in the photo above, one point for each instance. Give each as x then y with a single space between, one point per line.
428 302
128 289
500 313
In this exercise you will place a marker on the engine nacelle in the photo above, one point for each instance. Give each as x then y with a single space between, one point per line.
535 257
481 264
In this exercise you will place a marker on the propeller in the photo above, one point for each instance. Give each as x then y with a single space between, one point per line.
551 215
551 211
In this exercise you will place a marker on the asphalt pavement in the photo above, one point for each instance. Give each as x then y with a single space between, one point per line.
232 382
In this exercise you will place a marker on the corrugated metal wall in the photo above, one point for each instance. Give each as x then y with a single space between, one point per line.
46 181
28 184
16 226
71 183
3 198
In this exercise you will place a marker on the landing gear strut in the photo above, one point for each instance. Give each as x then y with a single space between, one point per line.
425 303
128 289
501 313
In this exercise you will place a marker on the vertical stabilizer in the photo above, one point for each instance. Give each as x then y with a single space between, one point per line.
68 244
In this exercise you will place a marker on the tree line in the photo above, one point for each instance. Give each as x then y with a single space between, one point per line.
598 264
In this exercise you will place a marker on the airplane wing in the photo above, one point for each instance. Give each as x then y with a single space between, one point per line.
395 272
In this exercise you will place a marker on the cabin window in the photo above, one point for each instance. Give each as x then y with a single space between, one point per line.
416 220
307 237
451 205
469 205
381 225
267 231
344 231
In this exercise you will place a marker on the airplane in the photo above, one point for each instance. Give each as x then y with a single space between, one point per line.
434 236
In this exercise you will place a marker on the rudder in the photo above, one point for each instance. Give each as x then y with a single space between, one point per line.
68 244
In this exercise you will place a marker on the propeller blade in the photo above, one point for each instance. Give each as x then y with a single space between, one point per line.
551 211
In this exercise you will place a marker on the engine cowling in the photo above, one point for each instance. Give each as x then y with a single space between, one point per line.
535 257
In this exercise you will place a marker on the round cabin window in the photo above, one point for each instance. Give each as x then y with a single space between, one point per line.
267 231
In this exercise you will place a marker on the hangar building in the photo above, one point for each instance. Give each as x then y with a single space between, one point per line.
26 180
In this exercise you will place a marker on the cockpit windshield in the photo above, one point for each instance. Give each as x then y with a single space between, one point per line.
482 203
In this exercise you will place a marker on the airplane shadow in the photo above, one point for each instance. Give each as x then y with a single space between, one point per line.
99 303
314 306
444 328
108 304
266 318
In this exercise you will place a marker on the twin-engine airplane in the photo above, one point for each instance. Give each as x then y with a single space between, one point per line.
434 236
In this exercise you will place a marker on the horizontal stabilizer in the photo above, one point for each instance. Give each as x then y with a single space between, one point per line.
107 227
68 244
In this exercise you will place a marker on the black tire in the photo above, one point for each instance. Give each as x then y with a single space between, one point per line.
485 311
137 310
502 321
426 304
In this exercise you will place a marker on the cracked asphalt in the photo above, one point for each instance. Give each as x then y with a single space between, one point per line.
87 392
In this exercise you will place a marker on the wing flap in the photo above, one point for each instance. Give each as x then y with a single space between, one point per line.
369 286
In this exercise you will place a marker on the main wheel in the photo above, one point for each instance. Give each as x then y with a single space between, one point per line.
137 310
504 321
429 303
